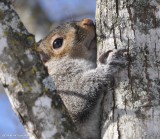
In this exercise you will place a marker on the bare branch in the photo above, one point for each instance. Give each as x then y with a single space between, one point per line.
26 81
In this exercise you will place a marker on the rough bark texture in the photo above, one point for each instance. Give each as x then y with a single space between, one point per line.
132 107
29 88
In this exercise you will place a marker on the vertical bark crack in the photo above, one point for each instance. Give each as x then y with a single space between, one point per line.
114 100
146 65
129 69
117 7
114 36
120 34
118 127
155 52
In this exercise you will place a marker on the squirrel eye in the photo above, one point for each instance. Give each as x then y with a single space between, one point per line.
57 43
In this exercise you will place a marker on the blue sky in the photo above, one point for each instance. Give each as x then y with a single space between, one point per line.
9 122
62 8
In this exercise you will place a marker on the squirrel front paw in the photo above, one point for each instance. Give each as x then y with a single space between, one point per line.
114 59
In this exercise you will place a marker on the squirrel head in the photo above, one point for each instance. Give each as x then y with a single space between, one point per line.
74 40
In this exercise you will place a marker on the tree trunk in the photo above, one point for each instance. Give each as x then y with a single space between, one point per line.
132 107
30 90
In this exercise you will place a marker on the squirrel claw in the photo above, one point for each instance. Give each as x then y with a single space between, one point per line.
104 56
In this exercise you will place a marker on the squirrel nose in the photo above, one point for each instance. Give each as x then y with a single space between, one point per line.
88 22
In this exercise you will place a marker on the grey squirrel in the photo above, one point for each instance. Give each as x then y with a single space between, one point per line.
70 54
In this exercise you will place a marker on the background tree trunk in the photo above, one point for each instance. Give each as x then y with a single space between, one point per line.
30 90
132 107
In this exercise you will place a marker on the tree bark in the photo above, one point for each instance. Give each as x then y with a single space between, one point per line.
132 106
30 90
